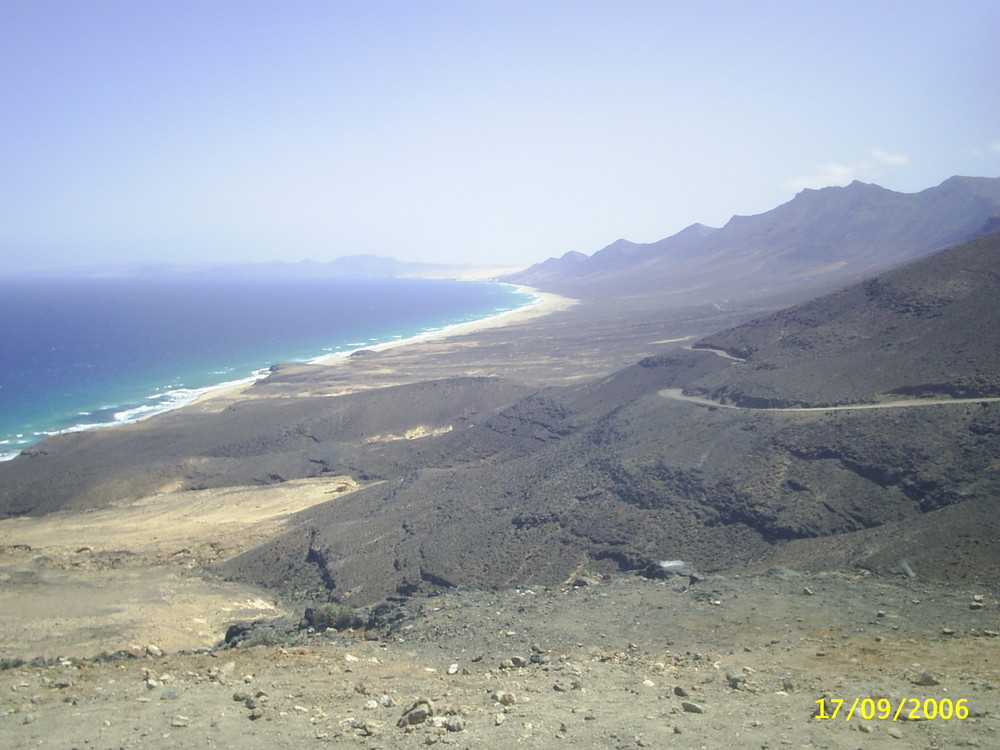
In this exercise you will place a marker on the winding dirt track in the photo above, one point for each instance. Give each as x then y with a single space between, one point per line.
678 395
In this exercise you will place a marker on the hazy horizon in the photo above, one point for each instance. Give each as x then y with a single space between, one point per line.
464 132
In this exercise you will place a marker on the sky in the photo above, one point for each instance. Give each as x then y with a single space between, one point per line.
493 133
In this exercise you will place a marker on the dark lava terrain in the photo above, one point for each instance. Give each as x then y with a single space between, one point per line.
613 475
515 484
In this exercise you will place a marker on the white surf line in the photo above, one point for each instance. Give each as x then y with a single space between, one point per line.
678 395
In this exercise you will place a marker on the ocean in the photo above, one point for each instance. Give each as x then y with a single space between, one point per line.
83 353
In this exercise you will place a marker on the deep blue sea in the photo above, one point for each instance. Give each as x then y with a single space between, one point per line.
82 353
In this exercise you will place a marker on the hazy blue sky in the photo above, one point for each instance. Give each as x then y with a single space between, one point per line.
467 131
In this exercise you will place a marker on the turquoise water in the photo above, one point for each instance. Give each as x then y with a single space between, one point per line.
82 353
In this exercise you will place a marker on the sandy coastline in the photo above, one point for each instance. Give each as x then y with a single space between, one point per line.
212 398
545 303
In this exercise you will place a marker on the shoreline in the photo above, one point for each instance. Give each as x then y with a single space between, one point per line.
543 303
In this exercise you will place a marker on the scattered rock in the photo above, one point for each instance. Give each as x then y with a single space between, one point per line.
926 679
692 708
180 721
364 728
667 569
418 712
503 697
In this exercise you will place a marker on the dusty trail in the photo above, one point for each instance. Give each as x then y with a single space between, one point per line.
678 395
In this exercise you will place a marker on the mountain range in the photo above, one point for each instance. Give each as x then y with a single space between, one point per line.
818 240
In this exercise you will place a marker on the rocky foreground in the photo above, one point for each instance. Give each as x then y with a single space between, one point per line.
629 662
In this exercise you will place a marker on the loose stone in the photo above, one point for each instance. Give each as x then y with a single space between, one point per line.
417 713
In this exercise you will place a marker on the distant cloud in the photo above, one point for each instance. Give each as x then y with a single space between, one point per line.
824 175
884 157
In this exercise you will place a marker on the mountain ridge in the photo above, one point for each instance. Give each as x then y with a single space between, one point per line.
820 238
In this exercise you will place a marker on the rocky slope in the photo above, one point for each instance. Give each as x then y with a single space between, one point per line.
613 475
927 329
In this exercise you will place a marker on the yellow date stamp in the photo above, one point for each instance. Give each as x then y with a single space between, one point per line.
907 709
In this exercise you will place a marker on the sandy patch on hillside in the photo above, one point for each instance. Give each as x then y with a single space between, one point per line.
103 580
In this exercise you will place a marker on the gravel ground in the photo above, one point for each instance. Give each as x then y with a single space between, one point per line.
629 662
